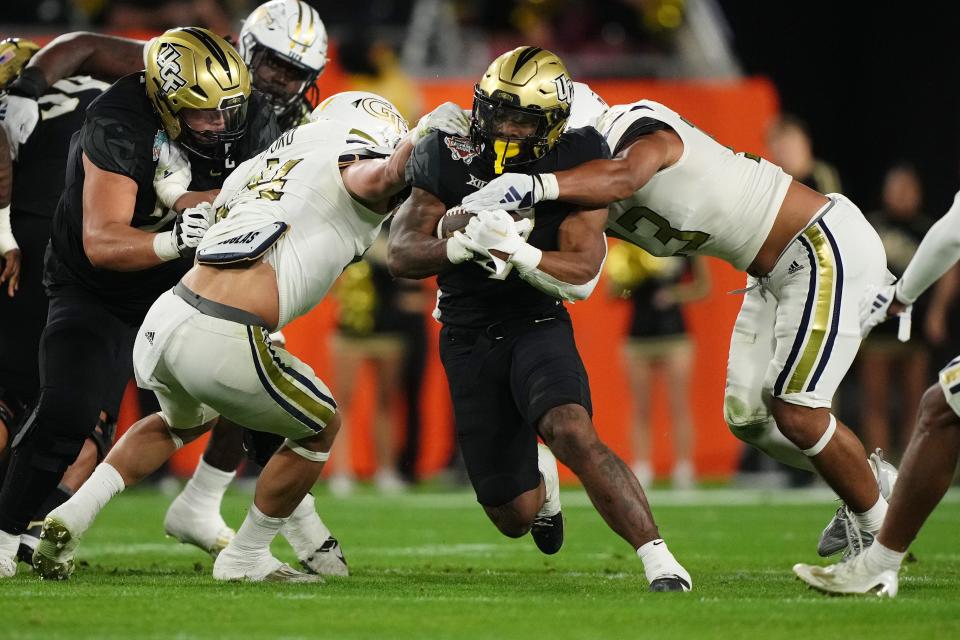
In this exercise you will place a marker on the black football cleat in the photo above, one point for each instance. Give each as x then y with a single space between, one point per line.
547 532
670 583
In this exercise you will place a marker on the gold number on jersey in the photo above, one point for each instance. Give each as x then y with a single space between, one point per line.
630 220
269 183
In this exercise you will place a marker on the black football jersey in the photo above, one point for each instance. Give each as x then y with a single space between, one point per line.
42 160
122 134
448 167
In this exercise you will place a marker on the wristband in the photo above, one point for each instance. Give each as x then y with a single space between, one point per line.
898 294
526 257
7 241
31 83
165 246
550 186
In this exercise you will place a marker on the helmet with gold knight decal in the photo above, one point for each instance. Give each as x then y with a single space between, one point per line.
520 107
15 53
193 69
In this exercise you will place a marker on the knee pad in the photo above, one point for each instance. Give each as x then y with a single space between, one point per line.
103 435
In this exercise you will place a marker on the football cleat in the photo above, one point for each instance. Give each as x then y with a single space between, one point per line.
670 583
547 528
327 560
842 532
849 577
8 567
201 528
233 565
53 559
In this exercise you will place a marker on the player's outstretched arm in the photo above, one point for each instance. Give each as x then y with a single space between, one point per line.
938 251
592 185
108 57
108 239
9 250
375 181
413 249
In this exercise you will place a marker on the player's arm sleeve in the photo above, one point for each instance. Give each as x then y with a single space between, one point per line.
939 250
642 126
18 123
112 144
423 168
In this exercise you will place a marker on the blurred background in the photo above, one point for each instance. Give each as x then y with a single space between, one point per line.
846 97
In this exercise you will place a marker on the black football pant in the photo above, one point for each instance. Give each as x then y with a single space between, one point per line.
85 363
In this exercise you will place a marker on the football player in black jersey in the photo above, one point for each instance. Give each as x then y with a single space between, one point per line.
507 342
114 250
181 181
39 138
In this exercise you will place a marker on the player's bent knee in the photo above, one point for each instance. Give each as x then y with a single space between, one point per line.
935 412
568 425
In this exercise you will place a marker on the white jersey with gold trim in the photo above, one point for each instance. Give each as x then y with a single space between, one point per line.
297 181
712 201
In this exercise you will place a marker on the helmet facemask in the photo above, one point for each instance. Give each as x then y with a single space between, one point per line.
283 81
209 133
495 125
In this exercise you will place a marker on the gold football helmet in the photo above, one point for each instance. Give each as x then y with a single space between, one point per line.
192 68
15 53
520 107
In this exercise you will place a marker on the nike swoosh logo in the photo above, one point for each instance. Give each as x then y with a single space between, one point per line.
658 542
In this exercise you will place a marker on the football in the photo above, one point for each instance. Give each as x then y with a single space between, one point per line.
455 219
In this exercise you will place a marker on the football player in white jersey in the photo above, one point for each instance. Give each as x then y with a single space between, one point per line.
931 457
673 189
289 221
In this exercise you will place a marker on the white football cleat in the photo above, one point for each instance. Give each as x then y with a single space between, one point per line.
199 527
53 559
850 577
8 566
842 532
233 565
318 551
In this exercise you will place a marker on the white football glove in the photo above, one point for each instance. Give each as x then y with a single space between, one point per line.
491 230
875 307
513 191
19 116
448 117
172 176
188 230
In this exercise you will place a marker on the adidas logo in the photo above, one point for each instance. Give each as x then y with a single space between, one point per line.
794 267
512 195
149 336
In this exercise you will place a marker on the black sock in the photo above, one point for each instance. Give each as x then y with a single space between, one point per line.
26 488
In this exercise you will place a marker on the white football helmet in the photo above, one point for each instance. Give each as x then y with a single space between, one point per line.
587 107
282 40
375 123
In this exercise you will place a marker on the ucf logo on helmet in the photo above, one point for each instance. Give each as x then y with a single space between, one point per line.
167 62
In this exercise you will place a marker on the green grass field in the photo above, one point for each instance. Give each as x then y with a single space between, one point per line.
429 565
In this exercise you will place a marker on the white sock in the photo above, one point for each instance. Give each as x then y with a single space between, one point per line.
206 488
79 511
257 532
9 544
881 558
305 530
872 519
658 561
